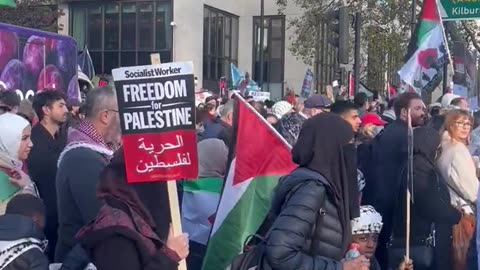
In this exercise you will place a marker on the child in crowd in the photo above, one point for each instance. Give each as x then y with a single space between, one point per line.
365 232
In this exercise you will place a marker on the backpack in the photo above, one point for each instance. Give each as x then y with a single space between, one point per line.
253 256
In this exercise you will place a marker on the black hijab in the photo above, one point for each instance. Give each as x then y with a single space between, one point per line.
426 141
321 147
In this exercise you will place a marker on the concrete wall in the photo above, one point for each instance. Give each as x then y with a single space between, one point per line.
188 34
64 21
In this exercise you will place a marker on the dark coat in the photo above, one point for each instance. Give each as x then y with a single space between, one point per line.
307 232
121 247
431 203
16 227
42 169
381 190
218 129
77 180
392 151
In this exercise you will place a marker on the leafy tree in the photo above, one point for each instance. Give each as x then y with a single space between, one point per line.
38 14
385 33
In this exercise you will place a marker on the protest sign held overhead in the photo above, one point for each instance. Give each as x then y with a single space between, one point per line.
157 115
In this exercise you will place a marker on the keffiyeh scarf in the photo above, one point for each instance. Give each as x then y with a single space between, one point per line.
85 135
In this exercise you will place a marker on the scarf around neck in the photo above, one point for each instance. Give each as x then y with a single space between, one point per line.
85 135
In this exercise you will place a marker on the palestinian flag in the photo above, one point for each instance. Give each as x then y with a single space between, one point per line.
260 158
427 53
8 3
199 204
392 92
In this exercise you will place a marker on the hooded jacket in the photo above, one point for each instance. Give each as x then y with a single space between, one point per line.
307 232
17 229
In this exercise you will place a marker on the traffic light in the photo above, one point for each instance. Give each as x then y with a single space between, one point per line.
339 23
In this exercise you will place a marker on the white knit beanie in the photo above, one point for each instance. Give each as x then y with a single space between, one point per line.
281 108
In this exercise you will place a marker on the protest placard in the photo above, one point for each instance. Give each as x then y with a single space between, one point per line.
259 95
157 115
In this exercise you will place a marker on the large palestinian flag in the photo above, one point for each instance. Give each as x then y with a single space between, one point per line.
260 158
427 53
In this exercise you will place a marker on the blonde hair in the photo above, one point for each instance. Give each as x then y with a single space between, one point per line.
367 133
451 117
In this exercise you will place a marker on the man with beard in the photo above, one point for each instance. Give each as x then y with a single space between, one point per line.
388 159
87 153
48 142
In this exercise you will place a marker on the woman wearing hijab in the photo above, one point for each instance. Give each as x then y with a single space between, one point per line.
122 237
15 145
315 203
432 215
201 198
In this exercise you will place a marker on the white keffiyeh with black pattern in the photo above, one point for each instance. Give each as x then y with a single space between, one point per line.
370 221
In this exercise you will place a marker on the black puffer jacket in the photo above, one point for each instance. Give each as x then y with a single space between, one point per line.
15 228
307 233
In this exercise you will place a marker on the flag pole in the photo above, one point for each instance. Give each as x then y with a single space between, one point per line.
409 182
450 61
445 66
262 14
414 17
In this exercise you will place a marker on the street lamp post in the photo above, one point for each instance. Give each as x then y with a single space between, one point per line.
262 15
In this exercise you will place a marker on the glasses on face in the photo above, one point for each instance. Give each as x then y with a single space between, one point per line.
368 237
464 124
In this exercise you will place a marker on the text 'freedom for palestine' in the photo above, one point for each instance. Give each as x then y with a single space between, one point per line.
154 91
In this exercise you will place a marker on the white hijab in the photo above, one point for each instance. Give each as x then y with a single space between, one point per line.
11 129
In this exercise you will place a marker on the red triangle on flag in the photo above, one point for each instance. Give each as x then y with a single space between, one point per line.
430 11
259 149
391 91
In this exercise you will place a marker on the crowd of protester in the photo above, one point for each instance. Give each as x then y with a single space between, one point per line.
67 200
374 151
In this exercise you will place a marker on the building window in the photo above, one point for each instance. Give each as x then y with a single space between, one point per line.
220 45
273 52
120 34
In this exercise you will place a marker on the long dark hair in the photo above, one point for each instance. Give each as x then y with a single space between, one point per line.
113 184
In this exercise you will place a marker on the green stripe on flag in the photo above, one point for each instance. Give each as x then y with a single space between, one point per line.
8 3
244 220
423 28
204 184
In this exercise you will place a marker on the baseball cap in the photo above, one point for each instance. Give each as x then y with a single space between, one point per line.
372 118
317 101
447 99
